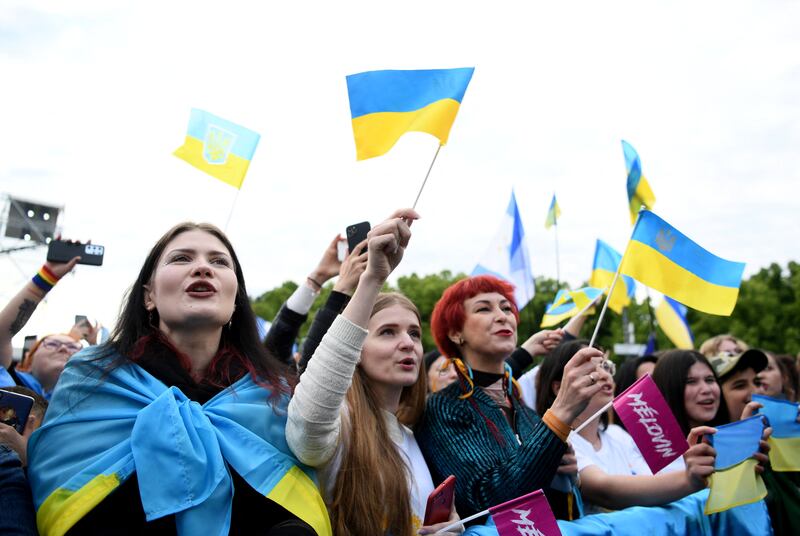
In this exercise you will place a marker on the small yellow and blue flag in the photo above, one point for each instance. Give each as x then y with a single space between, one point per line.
568 303
665 259
734 481
220 148
784 454
604 267
552 214
671 317
384 105
639 192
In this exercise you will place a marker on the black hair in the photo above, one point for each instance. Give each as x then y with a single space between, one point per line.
626 374
670 375
552 370
136 322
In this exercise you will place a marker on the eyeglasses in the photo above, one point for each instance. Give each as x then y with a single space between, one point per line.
54 345
609 366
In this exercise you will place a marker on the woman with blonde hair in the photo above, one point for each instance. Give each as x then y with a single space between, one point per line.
362 390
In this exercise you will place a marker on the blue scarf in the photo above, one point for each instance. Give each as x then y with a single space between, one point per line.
102 426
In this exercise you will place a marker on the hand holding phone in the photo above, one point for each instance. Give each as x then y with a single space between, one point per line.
14 409
63 251
356 234
440 502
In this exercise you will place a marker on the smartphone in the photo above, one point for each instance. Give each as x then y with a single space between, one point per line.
30 340
356 234
14 409
80 319
62 251
440 502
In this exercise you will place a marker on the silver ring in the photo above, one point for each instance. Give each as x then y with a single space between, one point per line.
591 377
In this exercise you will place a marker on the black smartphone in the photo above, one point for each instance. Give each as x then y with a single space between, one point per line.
62 251
30 340
356 234
14 409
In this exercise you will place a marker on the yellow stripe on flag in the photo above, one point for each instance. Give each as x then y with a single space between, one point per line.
376 133
297 493
735 486
784 454
63 508
231 172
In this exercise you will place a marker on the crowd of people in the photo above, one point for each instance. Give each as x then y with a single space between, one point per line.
187 422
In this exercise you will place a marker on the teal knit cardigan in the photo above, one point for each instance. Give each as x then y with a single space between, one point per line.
491 467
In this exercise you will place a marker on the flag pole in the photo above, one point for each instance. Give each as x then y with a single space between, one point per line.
426 176
613 283
593 417
233 205
558 264
462 521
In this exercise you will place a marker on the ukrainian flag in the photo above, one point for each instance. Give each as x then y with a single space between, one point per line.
735 481
606 261
220 148
671 317
784 454
665 259
384 105
552 214
568 303
639 192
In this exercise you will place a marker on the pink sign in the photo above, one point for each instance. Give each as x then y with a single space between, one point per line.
651 423
529 515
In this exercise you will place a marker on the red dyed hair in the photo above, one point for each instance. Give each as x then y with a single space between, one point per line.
449 314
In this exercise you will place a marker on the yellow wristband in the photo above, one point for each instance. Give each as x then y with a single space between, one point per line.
556 425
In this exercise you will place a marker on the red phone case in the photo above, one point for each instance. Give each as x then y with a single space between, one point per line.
440 501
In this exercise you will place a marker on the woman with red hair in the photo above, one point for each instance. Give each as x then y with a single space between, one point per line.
478 428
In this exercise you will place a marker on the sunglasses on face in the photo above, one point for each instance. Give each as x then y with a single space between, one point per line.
54 345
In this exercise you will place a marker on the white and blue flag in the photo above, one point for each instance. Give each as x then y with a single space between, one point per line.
508 258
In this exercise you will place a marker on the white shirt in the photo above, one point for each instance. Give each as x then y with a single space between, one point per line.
618 454
527 384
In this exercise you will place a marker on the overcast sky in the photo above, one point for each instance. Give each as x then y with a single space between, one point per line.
96 95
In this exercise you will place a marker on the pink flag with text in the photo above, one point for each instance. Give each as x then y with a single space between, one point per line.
651 424
529 515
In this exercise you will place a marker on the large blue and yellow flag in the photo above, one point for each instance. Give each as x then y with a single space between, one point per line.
671 317
103 426
553 213
734 481
220 148
639 192
384 105
784 454
665 259
568 303
606 261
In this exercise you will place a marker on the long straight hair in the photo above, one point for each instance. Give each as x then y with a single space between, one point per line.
371 494
670 375
135 322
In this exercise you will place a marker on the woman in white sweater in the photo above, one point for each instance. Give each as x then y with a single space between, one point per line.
362 389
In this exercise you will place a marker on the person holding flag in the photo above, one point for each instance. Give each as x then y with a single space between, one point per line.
478 428
613 472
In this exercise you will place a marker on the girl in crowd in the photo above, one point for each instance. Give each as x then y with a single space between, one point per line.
176 425
612 471
478 428
779 378
360 391
41 367
631 370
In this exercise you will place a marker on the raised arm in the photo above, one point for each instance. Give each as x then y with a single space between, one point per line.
313 427
18 311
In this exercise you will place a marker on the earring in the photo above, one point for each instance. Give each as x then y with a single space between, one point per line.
460 340
150 319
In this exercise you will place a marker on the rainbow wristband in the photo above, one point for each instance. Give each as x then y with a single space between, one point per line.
45 279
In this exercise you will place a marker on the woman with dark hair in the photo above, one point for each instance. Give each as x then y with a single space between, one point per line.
633 369
478 428
779 378
612 471
691 388
176 424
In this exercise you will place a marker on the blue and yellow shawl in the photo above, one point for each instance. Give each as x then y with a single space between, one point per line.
101 427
